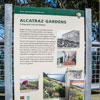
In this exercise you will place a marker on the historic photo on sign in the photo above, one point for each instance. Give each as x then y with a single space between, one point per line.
75 74
68 38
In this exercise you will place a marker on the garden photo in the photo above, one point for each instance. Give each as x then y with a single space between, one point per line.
29 83
76 90
54 85
66 58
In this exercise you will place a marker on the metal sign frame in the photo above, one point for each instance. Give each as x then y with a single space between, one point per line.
8 53
88 78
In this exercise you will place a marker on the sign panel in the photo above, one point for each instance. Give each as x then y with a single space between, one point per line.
47 42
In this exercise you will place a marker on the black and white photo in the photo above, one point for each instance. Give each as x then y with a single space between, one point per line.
68 39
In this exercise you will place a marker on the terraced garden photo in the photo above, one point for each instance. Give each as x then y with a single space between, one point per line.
76 92
53 85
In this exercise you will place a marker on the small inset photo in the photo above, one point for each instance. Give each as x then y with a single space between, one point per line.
68 39
29 83
76 90
66 58
28 98
22 98
75 74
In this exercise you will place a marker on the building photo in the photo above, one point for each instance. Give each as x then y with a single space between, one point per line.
69 39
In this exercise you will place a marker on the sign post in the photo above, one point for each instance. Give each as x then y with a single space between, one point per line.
8 52
88 54
67 85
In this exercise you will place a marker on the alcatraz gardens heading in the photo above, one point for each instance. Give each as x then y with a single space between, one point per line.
43 21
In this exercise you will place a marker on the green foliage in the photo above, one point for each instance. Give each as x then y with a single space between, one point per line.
33 82
46 81
23 88
52 89
46 95
94 92
76 93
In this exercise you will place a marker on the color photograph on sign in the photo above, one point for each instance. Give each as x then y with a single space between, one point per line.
28 98
66 58
68 39
22 98
29 83
76 90
54 85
